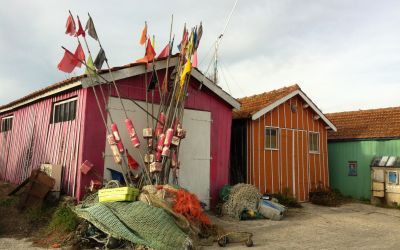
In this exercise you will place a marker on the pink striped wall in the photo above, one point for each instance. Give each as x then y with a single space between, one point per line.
33 141
70 143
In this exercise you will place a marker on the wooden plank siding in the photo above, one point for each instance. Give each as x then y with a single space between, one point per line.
34 140
291 167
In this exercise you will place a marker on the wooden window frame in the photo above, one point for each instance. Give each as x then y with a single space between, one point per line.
277 138
9 117
61 110
310 150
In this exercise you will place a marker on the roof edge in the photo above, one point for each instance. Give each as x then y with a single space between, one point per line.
365 139
270 107
119 73
196 73
69 85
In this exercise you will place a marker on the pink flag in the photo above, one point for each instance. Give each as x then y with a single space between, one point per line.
79 55
70 26
68 62
194 60
164 52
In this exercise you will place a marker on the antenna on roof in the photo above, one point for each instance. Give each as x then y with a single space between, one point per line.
217 43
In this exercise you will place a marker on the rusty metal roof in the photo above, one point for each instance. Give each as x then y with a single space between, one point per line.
364 124
254 103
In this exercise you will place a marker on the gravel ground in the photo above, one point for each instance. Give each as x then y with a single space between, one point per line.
350 226
16 244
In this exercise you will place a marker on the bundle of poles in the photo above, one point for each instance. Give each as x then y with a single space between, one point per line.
158 162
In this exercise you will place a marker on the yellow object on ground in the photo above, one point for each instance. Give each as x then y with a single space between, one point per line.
118 194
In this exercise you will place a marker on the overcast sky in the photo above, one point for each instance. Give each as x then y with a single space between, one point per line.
344 54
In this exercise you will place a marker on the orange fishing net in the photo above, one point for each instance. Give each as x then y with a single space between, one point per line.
188 205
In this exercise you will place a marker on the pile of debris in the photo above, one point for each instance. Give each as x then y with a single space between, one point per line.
244 202
164 217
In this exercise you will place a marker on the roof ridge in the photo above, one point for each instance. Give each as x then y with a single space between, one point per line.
294 86
364 110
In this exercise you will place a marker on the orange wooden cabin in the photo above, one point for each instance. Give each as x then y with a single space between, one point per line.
279 143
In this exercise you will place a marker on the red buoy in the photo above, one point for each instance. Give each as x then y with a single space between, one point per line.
132 133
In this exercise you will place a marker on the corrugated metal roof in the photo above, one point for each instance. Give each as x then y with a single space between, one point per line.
365 124
60 85
73 80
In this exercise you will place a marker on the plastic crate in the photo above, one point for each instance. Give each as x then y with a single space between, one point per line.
118 194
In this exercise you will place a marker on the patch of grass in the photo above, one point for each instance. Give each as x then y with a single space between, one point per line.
285 198
34 214
326 197
8 202
365 200
64 219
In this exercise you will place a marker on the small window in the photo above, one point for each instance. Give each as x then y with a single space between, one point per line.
271 138
352 168
393 177
64 111
313 142
6 123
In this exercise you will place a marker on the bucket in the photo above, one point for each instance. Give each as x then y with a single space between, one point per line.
271 210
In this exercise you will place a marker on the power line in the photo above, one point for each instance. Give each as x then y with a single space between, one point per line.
226 80
232 77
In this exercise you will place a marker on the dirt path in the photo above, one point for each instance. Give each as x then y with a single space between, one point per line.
351 226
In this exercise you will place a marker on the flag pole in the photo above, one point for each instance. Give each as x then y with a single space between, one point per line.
105 103
128 181
165 82
118 94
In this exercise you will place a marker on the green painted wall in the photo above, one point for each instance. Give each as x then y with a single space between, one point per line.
340 153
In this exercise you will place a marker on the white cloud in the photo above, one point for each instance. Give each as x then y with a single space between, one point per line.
344 54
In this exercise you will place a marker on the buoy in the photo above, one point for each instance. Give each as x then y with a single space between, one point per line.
160 124
160 142
147 133
114 149
168 137
158 156
155 167
165 151
117 137
132 133
175 140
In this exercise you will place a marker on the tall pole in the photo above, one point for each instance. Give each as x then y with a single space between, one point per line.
119 97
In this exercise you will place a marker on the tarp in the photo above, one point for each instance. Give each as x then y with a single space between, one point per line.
136 222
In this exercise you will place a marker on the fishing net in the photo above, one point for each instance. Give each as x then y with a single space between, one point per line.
136 222
153 200
242 197
188 205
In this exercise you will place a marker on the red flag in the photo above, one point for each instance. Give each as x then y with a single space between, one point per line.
150 53
70 26
80 31
164 52
131 161
144 34
79 54
68 62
